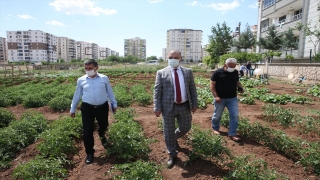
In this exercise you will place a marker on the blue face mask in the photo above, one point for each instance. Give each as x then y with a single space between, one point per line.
173 63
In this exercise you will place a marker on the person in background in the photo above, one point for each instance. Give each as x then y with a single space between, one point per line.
242 69
224 85
249 67
95 90
175 96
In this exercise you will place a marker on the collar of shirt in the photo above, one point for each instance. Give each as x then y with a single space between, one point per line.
178 68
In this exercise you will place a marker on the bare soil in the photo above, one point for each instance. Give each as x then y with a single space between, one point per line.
200 169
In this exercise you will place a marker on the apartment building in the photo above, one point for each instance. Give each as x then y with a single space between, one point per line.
31 46
204 52
66 48
135 47
188 41
164 54
285 14
3 50
103 52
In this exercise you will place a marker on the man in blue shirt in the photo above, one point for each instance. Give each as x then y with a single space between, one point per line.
95 90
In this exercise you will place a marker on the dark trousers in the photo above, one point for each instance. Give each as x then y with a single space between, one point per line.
241 73
89 114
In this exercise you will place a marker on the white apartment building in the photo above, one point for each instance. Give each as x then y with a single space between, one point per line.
66 48
3 50
188 41
285 14
135 47
84 50
204 52
103 52
164 54
31 46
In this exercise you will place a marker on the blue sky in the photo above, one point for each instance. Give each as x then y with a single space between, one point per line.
109 22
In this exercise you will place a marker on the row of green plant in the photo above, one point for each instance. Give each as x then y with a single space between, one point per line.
38 93
128 143
56 149
314 91
290 117
126 96
19 134
211 147
303 152
6 117
6 82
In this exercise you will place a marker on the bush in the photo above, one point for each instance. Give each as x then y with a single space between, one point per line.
60 103
6 117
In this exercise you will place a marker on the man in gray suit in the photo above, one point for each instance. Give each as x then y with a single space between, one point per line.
175 96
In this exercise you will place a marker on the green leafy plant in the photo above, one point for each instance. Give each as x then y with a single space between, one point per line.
127 137
136 170
6 117
59 103
247 100
246 167
41 168
206 145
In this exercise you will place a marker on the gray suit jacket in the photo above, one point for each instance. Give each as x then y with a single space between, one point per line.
163 96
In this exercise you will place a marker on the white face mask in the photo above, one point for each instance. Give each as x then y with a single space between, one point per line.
90 73
230 69
173 63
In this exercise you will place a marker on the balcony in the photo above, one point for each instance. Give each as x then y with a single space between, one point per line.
275 5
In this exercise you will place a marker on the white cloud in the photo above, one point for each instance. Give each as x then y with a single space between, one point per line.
254 6
154 1
224 6
194 3
55 23
83 7
25 16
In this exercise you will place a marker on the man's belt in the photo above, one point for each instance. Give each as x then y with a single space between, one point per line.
95 106
180 104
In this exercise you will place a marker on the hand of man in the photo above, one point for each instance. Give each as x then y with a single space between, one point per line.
157 113
217 99
194 110
240 90
73 115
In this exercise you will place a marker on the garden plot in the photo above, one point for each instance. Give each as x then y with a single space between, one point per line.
202 168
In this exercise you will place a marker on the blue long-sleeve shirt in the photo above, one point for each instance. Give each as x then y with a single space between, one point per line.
95 91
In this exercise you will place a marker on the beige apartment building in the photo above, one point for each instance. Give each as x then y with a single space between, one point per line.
66 49
135 47
204 52
103 52
31 46
285 14
3 50
188 41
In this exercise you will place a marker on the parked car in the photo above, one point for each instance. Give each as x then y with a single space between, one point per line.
152 62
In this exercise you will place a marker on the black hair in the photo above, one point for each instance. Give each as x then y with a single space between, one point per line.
91 61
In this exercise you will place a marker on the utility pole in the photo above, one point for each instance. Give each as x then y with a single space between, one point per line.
239 27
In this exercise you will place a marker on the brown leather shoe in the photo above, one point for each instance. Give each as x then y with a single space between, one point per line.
216 132
171 162
235 138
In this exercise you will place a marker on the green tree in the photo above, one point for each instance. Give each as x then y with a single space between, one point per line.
246 39
288 40
114 58
152 58
220 41
207 60
272 41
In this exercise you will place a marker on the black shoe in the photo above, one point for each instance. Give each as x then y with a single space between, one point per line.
177 146
89 159
104 142
171 162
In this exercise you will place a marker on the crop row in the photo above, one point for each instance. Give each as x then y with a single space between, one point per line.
56 150
303 152
19 134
